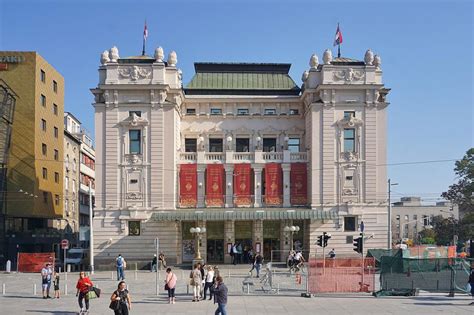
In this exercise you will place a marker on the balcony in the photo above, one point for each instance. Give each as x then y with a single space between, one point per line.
231 157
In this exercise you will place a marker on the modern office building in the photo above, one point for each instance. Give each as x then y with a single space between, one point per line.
243 151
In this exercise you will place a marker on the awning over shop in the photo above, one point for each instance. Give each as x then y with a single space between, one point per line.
244 214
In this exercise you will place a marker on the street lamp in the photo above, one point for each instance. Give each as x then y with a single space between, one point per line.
198 231
389 241
291 230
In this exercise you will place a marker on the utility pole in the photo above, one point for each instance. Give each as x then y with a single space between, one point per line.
389 241
91 231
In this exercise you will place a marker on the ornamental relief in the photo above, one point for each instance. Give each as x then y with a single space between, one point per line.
134 73
348 75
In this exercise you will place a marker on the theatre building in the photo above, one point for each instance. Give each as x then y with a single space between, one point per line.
241 152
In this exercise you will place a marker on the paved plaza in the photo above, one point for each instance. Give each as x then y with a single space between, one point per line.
19 297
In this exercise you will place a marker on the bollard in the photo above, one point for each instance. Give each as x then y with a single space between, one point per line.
59 269
112 275
65 289
8 268
34 288
3 289
229 273
135 274
187 289
278 288
248 288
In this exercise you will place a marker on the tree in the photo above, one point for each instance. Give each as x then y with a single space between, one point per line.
466 227
461 193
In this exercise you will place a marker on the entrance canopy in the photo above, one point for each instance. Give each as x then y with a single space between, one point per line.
244 214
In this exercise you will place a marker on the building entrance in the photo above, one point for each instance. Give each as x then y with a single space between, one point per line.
271 240
215 241
243 236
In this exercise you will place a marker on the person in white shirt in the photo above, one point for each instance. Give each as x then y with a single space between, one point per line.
209 282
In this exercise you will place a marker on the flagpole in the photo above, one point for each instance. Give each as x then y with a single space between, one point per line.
339 51
143 50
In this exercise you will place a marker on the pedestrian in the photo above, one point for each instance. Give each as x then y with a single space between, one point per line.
219 289
56 285
121 264
234 254
203 269
195 281
122 296
471 282
153 263
170 285
209 282
162 260
258 263
83 285
239 253
46 277
332 254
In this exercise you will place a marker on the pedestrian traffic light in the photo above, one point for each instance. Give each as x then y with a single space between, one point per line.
358 247
326 238
320 240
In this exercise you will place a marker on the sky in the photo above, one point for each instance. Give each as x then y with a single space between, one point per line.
426 48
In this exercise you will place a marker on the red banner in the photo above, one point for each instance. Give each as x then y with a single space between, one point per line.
298 184
273 184
188 185
215 185
34 262
242 185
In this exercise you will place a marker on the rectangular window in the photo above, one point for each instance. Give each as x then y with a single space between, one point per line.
190 145
136 112
133 228
215 145
294 112
242 144
349 239
55 86
216 111
406 217
44 149
43 124
73 185
56 132
45 197
269 144
43 100
55 109
56 200
45 173
56 177
294 145
348 115
270 111
42 76
350 224
415 217
349 140
135 141
190 111
242 112
66 182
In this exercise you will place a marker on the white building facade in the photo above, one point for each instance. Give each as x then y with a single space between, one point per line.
243 151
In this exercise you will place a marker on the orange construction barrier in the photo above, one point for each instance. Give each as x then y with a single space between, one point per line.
34 262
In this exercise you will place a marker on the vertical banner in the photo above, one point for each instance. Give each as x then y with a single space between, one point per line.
273 184
242 185
215 185
298 184
188 185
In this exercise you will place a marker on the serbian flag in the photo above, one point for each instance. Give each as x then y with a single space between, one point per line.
145 32
338 38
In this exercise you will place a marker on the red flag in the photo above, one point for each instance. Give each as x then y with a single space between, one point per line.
338 38
145 32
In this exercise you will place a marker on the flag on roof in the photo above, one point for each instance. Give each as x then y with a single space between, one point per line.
145 32
338 38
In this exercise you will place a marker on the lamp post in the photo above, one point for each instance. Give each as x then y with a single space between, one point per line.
389 241
198 231
291 230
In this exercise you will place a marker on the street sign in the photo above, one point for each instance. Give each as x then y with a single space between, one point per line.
64 244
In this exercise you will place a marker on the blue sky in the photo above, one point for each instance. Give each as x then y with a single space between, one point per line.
426 49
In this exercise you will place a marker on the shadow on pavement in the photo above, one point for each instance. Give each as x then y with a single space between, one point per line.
51 312
434 304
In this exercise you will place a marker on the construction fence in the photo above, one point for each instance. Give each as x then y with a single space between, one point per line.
34 262
341 275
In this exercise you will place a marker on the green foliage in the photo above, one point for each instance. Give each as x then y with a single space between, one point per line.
428 240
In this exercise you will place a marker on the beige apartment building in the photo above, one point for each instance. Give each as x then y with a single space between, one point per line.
241 152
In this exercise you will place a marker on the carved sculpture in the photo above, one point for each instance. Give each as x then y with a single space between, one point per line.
348 75
313 61
114 54
369 57
135 73
104 58
172 59
377 62
159 54
327 56
305 76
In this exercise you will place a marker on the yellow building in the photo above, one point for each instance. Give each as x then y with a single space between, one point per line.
35 166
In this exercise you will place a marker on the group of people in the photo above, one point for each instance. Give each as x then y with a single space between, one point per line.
48 277
204 278
161 260
241 254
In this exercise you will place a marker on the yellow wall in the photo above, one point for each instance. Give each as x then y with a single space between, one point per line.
26 160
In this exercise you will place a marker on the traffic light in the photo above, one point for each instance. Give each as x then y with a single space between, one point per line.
358 247
326 238
320 240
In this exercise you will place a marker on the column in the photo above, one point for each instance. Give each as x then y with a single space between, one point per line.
229 191
286 184
229 236
201 187
257 170
258 234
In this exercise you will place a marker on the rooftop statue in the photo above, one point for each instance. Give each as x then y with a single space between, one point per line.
313 61
104 58
327 56
172 59
114 54
377 62
369 57
159 54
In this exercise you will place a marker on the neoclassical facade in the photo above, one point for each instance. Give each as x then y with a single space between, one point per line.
241 150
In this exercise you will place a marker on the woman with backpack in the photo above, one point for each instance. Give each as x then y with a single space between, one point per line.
121 302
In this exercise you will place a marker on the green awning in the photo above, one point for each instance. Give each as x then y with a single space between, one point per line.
244 214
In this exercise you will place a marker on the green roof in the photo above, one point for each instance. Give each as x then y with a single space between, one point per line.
242 78
244 214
